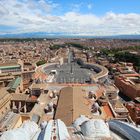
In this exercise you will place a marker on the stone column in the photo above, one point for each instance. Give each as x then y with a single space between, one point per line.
25 110
13 105
19 107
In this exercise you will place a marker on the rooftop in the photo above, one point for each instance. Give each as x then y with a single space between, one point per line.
19 97
9 121
131 79
14 84
72 103
9 65
3 93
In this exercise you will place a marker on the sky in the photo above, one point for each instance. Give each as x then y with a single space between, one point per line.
70 17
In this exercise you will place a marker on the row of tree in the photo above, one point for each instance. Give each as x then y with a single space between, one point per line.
41 62
125 55
75 45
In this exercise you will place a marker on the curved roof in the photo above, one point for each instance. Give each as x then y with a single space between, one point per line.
54 129
95 128
79 121
125 130
14 84
25 132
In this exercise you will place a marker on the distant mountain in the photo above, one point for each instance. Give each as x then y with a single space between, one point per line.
29 35
125 37
64 35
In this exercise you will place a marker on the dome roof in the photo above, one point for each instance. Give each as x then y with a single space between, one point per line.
60 129
95 128
79 121
26 132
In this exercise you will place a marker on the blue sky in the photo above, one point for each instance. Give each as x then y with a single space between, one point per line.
100 7
75 17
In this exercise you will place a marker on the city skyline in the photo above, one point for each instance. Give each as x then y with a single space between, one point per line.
80 17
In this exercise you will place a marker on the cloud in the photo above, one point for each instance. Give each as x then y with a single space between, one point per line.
47 7
3 10
37 16
18 5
